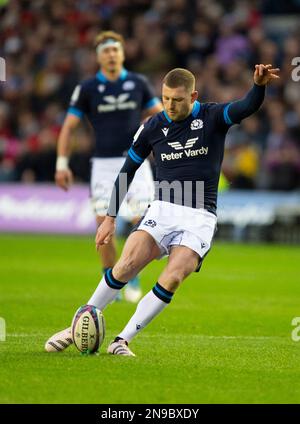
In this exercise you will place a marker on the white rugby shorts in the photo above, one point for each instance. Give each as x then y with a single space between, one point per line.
104 172
175 225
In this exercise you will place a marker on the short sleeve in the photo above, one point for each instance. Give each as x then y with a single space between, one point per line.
140 148
79 104
149 99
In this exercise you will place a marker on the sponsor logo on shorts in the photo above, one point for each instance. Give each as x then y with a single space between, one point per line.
150 223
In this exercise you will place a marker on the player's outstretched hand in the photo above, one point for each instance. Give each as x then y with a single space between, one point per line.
64 179
105 231
263 74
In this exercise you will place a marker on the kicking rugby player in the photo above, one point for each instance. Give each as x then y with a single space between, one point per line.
187 140
115 101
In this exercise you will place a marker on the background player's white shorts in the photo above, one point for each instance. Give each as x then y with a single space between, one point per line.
171 225
141 191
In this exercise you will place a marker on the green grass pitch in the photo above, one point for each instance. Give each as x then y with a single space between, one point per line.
225 338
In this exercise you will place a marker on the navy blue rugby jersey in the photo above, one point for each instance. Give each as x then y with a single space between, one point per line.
188 154
187 151
114 109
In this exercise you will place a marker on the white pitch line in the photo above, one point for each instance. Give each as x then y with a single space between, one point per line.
25 335
204 336
197 336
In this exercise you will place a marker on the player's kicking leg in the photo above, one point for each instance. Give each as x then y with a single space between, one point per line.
182 262
140 249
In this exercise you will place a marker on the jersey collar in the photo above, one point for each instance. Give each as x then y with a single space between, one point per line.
196 109
167 116
194 113
103 79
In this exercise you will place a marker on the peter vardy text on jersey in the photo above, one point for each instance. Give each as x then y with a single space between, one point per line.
188 153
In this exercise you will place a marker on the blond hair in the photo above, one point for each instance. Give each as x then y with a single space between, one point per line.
179 77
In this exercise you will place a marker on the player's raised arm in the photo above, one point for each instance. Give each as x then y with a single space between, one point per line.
236 111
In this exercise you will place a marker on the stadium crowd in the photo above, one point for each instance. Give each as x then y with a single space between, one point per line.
48 48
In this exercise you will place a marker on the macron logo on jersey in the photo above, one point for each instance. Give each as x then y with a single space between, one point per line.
165 131
187 151
114 103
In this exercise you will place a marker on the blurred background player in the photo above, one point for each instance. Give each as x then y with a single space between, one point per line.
114 101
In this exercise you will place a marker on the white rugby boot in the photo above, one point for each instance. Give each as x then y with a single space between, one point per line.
119 347
59 341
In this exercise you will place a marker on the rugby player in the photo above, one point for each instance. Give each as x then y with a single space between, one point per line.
187 140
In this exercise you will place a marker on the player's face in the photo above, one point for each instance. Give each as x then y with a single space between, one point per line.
178 102
111 58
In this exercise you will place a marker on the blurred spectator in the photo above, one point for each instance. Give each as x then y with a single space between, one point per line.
9 147
282 158
241 160
231 44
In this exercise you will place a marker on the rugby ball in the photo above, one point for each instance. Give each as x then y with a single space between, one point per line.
88 329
